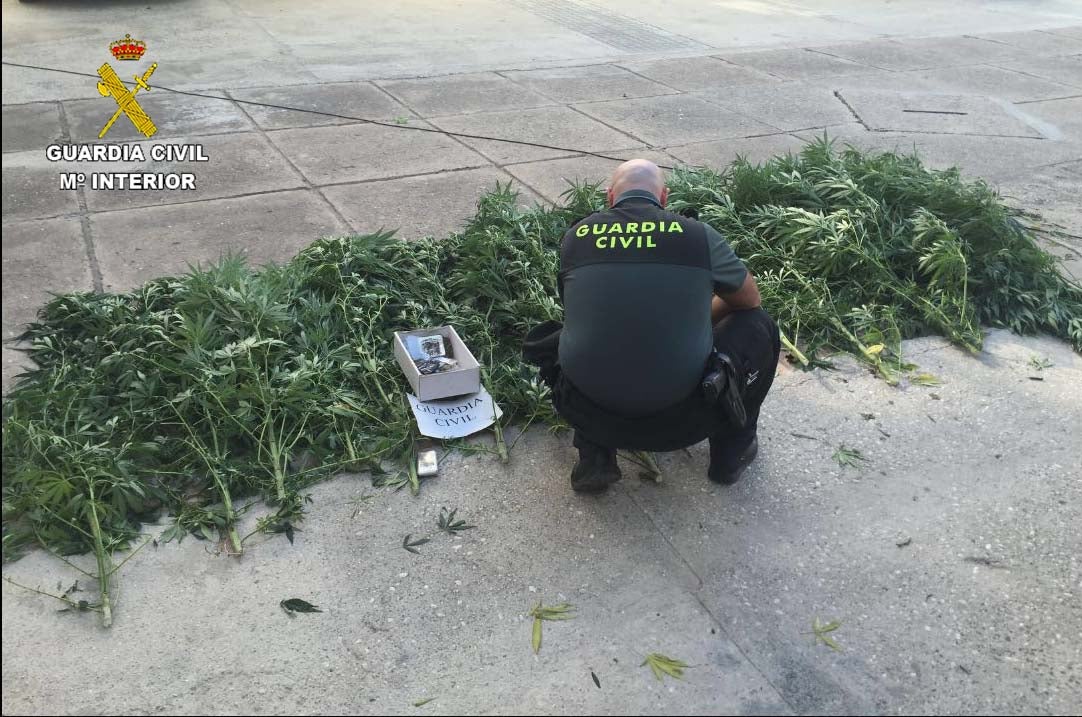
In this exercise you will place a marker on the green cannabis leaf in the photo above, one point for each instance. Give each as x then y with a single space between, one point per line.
449 525
925 379
1040 363
822 633
295 605
422 703
848 456
541 613
661 665
411 545
285 527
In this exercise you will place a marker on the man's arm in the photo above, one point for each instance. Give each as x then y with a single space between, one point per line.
746 297
734 286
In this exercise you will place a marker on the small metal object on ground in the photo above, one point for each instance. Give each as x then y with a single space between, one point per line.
427 463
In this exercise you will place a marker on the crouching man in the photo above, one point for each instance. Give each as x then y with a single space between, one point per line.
663 342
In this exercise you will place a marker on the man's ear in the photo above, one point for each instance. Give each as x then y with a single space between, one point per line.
609 196
664 196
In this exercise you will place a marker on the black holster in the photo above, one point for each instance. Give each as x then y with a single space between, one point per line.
722 384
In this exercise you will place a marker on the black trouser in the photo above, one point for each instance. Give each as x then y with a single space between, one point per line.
749 337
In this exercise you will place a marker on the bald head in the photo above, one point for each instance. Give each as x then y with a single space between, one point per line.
641 174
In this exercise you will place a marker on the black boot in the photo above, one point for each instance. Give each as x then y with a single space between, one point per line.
730 454
596 469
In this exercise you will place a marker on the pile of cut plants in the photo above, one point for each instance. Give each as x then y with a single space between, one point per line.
191 393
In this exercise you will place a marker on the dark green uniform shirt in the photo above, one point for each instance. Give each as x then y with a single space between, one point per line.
637 328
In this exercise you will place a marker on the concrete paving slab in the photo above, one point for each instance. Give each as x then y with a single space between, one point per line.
353 99
1074 31
256 69
15 363
901 55
175 116
461 94
1065 70
551 178
989 557
1052 191
964 50
1063 114
992 82
796 63
728 25
449 198
873 79
697 73
136 245
675 119
945 114
788 106
32 126
990 158
40 258
720 154
1038 42
556 126
32 187
242 163
589 83
953 589
449 623
22 85
352 153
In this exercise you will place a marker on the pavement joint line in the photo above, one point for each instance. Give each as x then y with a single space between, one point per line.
1049 99
552 101
274 40
223 133
753 118
1056 164
908 69
651 79
113 210
299 188
702 603
852 111
468 148
308 183
602 122
493 163
84 216
753 70
561 103
1021 71
959 134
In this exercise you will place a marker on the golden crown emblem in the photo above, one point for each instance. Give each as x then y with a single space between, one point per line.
127 49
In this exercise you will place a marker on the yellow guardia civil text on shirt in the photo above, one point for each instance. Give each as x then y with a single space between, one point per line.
631 235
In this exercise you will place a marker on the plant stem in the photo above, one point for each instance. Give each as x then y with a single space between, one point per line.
793 350
99 552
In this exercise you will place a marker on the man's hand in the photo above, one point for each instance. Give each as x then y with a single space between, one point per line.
746 297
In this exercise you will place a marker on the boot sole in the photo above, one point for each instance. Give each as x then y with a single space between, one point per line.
745 460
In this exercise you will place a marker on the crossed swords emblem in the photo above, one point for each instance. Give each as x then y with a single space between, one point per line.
111 84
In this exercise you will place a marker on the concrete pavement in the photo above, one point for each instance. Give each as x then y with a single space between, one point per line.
951 558
978 611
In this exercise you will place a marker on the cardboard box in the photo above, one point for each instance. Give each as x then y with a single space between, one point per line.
466 378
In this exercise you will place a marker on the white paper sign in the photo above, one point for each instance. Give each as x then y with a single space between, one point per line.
456 417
